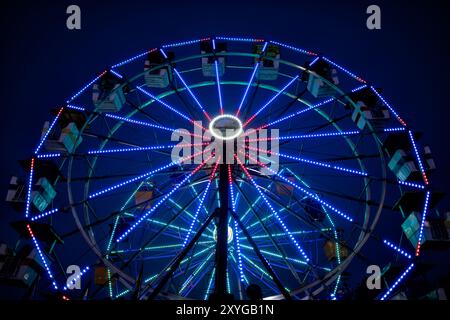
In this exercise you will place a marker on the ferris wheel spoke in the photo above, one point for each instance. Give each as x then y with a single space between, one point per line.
139 122
270 101
323 232
306 110
216 67
310 162
152 278
275 213
236 230
294 138
188 89
263 260
146 148
255 69
174 110
160 202
261 223
253 268
304 191
197 273
200 205
142 176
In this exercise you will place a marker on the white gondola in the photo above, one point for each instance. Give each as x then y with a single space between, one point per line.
160 77
64 141
208 63
269 64
377 117
435 232
108 95
402 164
43 194
316 85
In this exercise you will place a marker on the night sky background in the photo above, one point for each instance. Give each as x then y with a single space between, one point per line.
42 63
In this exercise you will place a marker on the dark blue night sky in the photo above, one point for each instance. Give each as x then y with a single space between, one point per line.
42 62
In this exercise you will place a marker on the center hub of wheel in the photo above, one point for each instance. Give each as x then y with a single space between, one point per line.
225 127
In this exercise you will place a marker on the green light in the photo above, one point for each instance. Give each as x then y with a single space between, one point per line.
199 268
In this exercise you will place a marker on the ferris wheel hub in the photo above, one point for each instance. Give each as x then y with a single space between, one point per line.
226 127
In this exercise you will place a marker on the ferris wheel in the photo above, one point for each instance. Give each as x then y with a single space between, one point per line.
226 168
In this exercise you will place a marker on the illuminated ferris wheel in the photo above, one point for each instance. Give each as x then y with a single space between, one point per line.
226 168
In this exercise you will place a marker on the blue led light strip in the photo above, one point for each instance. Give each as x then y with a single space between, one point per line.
183 43
239 39
86 86
275 213
147 148
142 123
45 214
314 61
255 69
419 160
219 92
48 155
277 255
44 261
131 59
188 89
410 184
354 76
422 223
74 280
395 248
294 48
394 129
218 86
29 189
208 290
164 104
289 116
270 101
71 106
146 124
309 194
309 136
192 95
311 162
397 282
388 105
359 88
160 202
142 176
197 270
50 128
236 231
202 199
114 72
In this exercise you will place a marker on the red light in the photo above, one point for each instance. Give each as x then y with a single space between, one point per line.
214 170
30 231
207 115
249 120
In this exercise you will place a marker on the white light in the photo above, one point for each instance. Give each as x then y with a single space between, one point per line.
237 133
229 234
